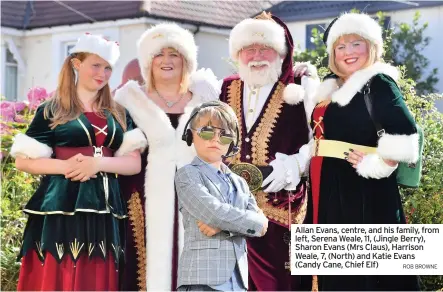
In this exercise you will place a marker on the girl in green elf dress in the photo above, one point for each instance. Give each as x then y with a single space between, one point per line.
79 140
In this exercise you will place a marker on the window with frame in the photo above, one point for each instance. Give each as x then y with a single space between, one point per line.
67 47
11 76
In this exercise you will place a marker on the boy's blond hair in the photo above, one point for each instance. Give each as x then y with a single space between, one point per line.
219 112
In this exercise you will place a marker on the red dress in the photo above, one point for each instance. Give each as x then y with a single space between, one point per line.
85 273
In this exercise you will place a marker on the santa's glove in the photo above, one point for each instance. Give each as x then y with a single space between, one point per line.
279 177
297 164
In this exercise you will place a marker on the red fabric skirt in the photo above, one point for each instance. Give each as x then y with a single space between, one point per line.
93 274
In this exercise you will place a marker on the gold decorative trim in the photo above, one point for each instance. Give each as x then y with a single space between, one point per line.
102 247
314 284
73 213
75 248
318 124
135 214
113 133
38 244
60 250
116 250
234 100
265 128
280 214
86 130
90 248
259 149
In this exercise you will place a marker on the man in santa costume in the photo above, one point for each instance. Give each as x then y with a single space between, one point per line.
273 114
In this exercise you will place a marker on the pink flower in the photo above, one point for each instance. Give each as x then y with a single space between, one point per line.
7 111
20 106
36 95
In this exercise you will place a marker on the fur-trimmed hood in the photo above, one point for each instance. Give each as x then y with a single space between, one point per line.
329 88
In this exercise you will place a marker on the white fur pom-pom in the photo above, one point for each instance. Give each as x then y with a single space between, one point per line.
205 84
293 94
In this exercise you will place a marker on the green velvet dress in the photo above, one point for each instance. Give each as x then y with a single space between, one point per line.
340 194
70 218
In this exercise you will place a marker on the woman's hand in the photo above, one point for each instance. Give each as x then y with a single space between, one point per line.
207 230
81 168
354 157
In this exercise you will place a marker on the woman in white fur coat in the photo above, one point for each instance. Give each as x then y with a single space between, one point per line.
352 173
167 57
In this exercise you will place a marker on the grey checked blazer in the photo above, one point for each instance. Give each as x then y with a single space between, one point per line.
211 260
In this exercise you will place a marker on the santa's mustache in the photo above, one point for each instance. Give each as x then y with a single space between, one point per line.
258 63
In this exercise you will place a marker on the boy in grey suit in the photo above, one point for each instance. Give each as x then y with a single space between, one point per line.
217 207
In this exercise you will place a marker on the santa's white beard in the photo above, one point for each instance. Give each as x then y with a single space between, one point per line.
269 75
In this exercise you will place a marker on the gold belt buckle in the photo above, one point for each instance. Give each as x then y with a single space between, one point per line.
98 151
250 173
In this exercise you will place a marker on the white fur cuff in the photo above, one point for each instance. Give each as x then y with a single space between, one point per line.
25 146
404 148
204 84
373 166
132 140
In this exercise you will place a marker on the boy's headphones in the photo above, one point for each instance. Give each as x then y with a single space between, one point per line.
187 133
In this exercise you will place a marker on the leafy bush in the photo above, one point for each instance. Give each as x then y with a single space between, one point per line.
17 186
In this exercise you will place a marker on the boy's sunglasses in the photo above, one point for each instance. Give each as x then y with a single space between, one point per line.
208 133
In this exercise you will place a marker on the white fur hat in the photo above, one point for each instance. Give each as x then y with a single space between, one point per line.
166 35
94 44
356 23
257 31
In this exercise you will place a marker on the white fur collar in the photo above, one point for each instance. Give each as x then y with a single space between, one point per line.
342 96
167 152
143 109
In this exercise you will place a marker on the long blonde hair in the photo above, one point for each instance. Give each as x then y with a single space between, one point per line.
372 55
65 106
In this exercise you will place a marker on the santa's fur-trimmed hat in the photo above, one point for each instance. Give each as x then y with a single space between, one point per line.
166 35
354 23
269 30
94 44
257 31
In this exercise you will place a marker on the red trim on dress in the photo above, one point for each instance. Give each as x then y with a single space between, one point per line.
318 128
